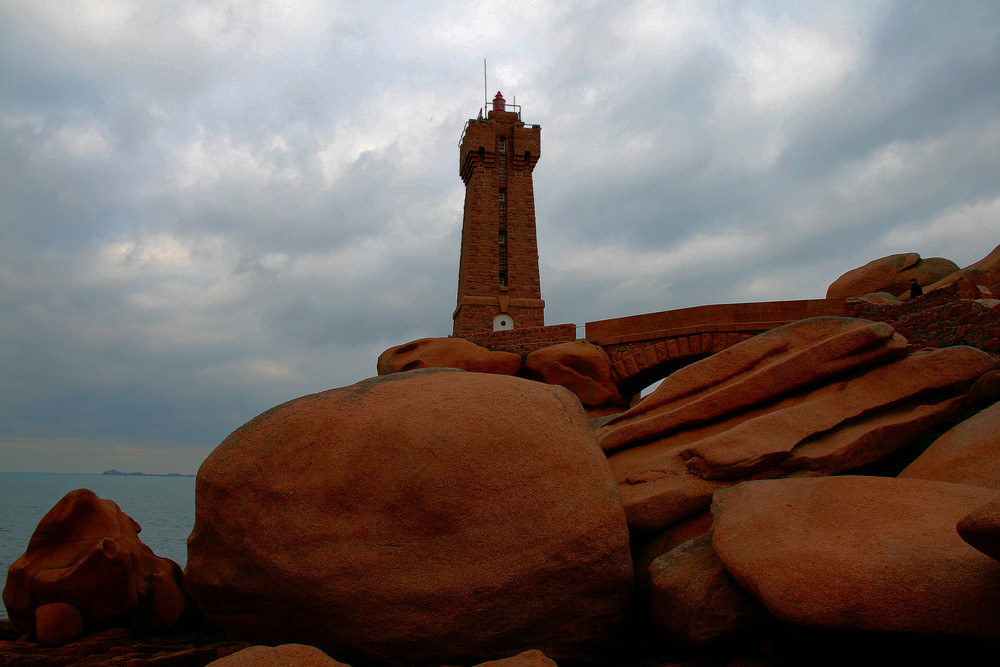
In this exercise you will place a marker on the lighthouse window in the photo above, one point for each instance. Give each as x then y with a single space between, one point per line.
503 194
502 239
503 279
503 144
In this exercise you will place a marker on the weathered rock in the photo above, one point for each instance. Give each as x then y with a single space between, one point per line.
981 528
756 414
648 547
120 646
890 274
447 353
432 516
86 553
694 601
860 553
584 369
292 655
532 658
58 623
753 372
985 272
986 390
967 454
878 298
768 440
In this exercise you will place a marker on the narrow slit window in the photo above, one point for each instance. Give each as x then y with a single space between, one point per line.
503 279
503 194
503 144
502 238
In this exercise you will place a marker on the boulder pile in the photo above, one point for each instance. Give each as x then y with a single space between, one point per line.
820 480
891 274
817 397
733 475
887 279
85 567
583 368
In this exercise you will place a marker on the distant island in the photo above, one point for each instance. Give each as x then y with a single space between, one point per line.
146 474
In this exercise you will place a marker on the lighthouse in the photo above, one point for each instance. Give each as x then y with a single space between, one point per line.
498 284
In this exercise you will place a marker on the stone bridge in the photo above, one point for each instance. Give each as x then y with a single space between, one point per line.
646 348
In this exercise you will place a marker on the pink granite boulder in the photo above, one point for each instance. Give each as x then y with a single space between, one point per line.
879 298
967 454
758 370
447 353
290 655
981 528
584 369
85 561
817 397
694 601
860 553
427 517
985 273
58 623
532 658
890 274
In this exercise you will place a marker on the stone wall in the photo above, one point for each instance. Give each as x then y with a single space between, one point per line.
949 315
524 340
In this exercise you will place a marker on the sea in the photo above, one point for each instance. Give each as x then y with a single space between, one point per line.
162 505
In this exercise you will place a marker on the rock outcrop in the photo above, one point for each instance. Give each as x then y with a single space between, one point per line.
447 353
860 554
981 528
120 646
967 454
694 601
816 397
985 272
532 658
85 566
293 655
890 274
432 516
584 369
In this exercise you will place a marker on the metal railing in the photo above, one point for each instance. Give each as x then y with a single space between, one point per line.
515 108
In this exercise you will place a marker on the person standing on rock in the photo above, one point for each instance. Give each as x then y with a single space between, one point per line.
915 288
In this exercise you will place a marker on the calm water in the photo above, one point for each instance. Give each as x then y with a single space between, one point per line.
163 506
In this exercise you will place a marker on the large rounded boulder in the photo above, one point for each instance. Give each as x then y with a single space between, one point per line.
584 369
447 353
890 274
431 516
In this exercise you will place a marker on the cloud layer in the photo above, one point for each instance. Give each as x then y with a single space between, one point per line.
208 208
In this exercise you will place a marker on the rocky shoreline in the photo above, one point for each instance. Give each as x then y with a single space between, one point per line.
784 646
120 647
825 493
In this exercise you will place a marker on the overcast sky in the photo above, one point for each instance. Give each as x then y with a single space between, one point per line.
211 207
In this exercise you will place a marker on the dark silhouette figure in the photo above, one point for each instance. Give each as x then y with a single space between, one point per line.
915 288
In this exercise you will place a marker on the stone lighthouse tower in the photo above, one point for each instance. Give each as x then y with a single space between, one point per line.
498 286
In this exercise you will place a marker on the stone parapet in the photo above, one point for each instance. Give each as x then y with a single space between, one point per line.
949 315
726 317
524 340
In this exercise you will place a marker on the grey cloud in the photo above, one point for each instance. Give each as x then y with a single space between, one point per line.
161 290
